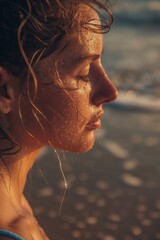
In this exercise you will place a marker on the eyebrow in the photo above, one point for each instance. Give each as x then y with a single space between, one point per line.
82 58
92 57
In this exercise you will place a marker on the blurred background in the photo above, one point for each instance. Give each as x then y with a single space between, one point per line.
113 190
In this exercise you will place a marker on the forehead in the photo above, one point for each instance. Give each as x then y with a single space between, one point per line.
83 44
83 41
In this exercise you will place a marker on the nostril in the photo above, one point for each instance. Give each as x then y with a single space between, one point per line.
104 93
110 93
115 95
111 98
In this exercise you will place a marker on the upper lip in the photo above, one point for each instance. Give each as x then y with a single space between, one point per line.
96 117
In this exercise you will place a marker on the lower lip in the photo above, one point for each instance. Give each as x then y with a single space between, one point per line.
94 125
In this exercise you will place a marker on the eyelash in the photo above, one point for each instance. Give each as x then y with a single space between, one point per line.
84 78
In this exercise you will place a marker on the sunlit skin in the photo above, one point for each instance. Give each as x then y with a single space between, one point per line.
72 87
83 88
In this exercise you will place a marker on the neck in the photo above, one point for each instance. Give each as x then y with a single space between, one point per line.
13 177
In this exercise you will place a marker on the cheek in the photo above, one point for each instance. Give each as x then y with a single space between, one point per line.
63 104
60 118
67 114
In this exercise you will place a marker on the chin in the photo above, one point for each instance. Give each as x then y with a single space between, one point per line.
82 146
80 149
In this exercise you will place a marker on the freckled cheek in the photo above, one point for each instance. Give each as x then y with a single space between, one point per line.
72 116
82 99
67 110
62 109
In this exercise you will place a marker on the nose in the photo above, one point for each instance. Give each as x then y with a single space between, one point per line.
103 90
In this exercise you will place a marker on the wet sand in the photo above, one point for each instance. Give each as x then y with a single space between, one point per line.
113 190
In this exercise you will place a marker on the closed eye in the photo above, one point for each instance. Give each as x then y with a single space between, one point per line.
84 78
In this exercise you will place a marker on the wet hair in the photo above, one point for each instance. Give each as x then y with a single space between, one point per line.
32 29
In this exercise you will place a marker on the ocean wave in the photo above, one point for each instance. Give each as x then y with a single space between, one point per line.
140 17
136 102
153 5
147 13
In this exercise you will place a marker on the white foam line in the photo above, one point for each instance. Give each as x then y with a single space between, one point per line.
138 101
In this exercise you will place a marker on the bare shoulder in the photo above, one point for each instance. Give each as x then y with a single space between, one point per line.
24 224
17 221
25 228
16 225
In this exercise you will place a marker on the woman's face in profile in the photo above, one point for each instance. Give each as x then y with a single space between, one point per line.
72 88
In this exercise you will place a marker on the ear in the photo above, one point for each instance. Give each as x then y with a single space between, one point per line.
6 96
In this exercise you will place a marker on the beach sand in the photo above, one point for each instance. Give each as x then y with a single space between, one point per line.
113 190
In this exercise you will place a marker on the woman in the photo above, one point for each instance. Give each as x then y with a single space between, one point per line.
52 87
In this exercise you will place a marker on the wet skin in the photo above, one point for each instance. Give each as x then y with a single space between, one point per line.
70 95
72 87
